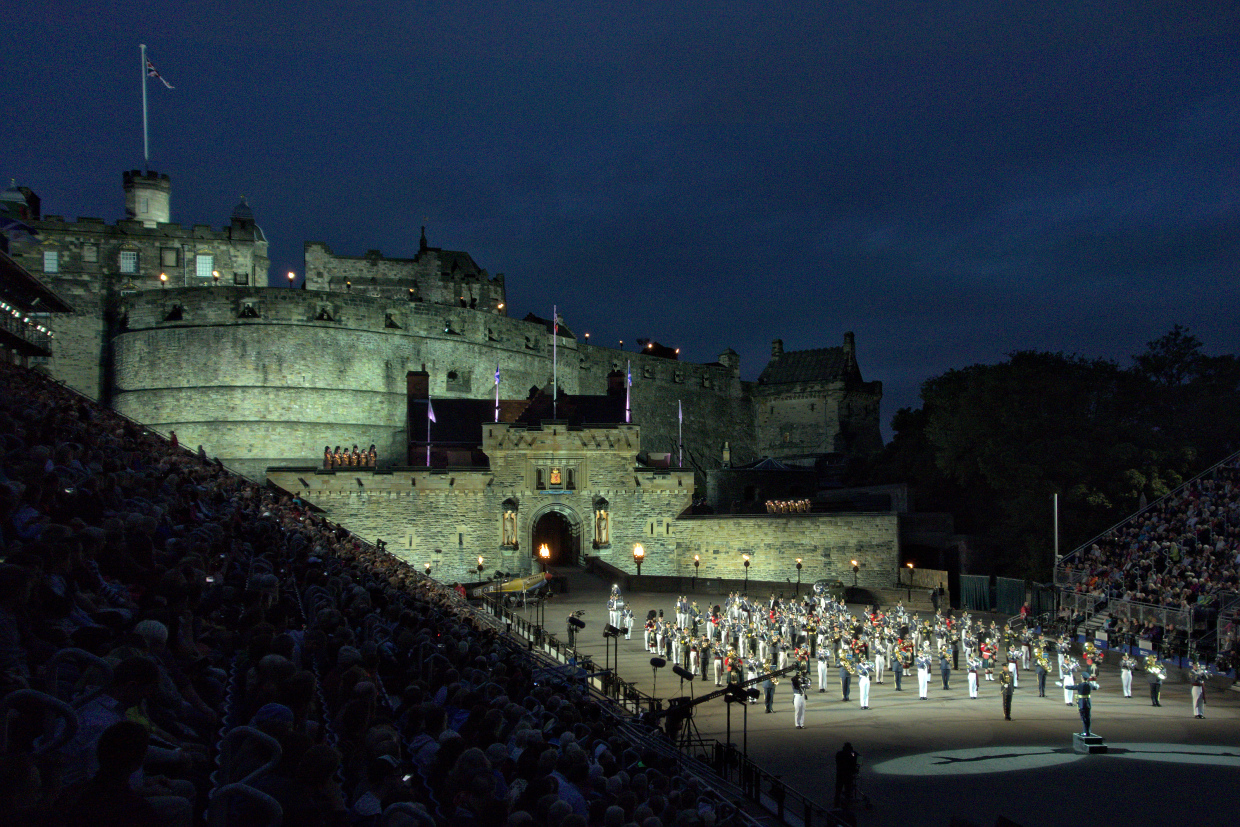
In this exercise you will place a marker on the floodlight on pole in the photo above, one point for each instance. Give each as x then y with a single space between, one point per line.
798 592
544 555
639 555
856 568
745 558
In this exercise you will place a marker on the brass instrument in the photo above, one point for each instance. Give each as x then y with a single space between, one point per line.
1155 667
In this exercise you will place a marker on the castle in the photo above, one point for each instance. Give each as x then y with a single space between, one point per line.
177 327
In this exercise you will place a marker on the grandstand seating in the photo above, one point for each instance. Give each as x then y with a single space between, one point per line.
288 672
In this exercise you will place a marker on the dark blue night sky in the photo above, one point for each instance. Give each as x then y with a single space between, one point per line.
952 181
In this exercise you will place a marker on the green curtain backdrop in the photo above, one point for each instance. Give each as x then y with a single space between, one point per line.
975 592
1042 599
1010 594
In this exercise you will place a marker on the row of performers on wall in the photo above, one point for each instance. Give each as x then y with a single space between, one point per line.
344 458
786 633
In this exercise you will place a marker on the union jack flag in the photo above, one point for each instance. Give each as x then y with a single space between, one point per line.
152 73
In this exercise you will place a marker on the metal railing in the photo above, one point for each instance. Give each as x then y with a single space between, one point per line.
605 682
725 762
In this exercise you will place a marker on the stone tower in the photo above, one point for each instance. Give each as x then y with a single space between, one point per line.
148 197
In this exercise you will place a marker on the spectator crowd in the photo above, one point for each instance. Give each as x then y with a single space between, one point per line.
1182 552
174 639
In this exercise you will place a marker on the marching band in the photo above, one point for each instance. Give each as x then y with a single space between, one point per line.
743 638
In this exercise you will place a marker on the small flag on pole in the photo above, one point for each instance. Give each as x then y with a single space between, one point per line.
628 395
430 411
497 391
152 73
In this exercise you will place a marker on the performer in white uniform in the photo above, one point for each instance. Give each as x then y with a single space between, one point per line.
1126 664
864 670
798 702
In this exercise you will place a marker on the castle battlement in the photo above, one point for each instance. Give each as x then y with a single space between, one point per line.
177 328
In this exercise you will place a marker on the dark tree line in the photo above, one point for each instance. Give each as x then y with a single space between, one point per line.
992 443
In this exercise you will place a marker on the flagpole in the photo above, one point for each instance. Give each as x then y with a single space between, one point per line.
628 393
497 392
680 433
428 432
146 146
555 380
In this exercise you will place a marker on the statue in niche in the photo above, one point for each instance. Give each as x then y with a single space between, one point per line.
556 479
510 528
600 528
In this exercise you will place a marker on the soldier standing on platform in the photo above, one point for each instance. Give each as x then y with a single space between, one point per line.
1084 687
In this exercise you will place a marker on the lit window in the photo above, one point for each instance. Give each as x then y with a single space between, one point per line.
205 266
51 261
129 262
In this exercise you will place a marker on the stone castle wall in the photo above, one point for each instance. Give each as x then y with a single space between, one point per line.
270 375
826 544
449 519
428 278
88 275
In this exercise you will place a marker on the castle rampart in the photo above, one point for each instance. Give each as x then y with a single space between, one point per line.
270 375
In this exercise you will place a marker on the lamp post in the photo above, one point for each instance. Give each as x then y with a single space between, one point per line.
428 570
544 556
480 568
745 557
910 579
697 561
798 592
639 554
163 279
215 274
291 276
856 568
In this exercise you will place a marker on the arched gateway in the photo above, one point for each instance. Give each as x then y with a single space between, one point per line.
559 527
